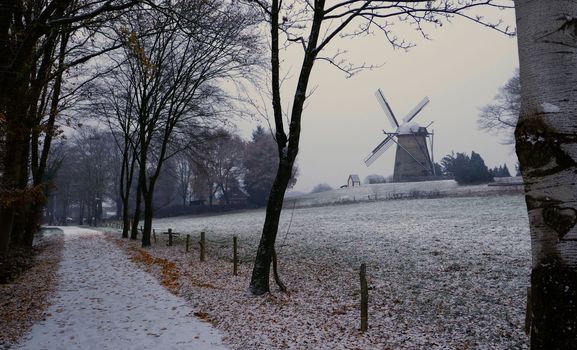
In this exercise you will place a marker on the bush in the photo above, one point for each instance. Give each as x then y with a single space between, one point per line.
375 179
321 188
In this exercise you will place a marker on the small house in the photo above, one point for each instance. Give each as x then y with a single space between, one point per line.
353 180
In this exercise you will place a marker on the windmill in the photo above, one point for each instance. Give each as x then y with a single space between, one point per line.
413 162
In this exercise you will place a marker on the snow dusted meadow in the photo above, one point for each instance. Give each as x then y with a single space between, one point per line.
444 273
399 190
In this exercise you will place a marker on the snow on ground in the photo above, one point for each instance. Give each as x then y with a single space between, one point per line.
445 273
105 302
399 190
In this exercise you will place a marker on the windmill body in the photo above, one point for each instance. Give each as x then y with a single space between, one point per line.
413 161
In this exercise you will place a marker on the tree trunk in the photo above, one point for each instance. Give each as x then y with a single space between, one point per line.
22 209
126 178
148 196
81 213
287 148
118 207
546 145
125 218
136 217
14 147
259 283
148 214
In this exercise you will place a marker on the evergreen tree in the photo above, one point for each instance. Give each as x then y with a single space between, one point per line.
505 172
260 162
467 170
438 169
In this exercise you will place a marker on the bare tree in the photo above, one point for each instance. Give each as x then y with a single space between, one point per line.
92 150
184 175
117 104
83 176
546 146
173 63
220 164
29 36
501 117
314 25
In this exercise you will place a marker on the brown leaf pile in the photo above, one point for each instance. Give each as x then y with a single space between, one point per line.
168 269
25 300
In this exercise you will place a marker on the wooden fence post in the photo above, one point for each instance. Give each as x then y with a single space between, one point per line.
364 299
234 256
202 245
169 237
187 242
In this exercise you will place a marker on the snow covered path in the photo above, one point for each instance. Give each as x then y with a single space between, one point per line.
104 301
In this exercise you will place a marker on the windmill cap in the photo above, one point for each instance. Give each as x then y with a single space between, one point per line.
410 128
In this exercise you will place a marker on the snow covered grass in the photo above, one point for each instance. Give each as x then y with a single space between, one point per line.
445 273
423 189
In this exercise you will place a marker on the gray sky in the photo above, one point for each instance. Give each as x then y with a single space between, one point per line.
460 70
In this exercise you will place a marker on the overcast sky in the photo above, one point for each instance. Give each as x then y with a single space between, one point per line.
460 69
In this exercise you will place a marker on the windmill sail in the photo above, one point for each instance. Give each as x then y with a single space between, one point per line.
379 150
385 106
416 110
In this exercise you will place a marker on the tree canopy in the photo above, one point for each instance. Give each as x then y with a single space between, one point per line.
466 170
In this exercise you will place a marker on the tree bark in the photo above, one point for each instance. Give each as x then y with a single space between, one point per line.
259 283
148 214
546 144
126 178
136 217
21 215
15 141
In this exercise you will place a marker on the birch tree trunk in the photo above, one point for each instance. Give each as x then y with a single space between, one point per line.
546 143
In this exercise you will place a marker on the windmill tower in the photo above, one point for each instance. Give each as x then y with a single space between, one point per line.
413 162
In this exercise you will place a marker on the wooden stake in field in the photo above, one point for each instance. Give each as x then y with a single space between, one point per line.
364 299
202 245
169 237
234 256
187 242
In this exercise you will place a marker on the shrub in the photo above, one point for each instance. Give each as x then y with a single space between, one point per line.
321 188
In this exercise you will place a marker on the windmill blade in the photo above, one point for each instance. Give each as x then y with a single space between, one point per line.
387 108
416 110
379 150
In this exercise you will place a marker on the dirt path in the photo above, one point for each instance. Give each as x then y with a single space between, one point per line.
105 302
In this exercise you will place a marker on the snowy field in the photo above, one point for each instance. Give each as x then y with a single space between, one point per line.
445 273
400 190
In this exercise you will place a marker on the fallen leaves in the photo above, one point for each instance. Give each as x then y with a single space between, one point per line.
168 269
26 299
